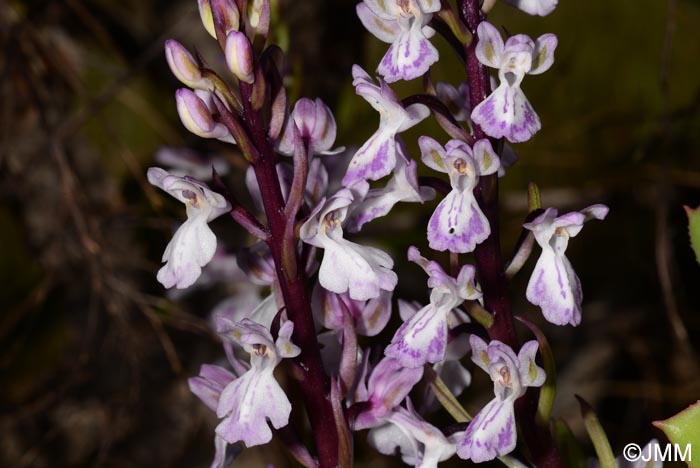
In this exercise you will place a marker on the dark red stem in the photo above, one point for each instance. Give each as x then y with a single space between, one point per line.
293 284
489 263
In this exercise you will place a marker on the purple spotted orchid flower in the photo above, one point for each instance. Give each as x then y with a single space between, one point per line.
554 285
506 112
403 24
454 375
194 243
377 157
421 444
249 401
402 187
423 337
458 224
492 433
361 271
316 126
387 386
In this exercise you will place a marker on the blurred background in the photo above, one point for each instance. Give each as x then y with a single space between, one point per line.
94 357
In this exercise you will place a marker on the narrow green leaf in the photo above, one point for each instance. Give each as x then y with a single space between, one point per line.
597 435
568 446
534 202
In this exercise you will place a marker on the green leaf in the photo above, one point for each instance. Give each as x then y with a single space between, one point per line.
694 229
597 435
569 447
683 429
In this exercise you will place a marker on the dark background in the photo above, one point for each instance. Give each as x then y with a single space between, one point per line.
94 358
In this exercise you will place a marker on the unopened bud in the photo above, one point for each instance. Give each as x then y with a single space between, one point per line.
196 117
239 56
259 16
184 66
315 123
222 12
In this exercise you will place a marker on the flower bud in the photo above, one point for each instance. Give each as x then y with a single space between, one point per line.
225 11
196 117
184 66
259 16
239 56
206 15
315 123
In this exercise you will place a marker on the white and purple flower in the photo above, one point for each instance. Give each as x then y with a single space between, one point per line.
403 24
492 433
387 386
554 285
421 444
377 157
248 402
378 202
194 243
423 337
361 271
458 224
506 112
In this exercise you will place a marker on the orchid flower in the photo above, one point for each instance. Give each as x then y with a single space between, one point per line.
361 271
423 338
458 224
450 370
402 187
492 433
421 444
403 24
554 285
387 386
194 243
250 400
506 112
377 157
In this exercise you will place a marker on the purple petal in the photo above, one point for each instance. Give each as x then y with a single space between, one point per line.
246 405
492 433
507 113
409 57
458 224
555 287
375 159
422 339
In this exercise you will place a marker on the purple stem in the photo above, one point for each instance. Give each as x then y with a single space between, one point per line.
293 284
489 262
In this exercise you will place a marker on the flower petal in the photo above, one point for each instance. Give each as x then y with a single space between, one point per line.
555 287
543 55
489 49
409 57
491 434
423 338
507 113
458 224
386 30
